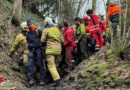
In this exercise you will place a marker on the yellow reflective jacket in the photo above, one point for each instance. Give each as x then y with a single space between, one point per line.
53 39
20 41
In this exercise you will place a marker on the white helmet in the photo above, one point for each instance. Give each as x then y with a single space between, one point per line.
48 20
24 26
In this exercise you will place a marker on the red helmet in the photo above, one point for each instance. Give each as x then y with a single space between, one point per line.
85 18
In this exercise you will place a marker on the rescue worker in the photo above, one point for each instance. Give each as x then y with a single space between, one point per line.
52 39
21 41
80 40
113 14
103 29
89 40
34 46
68 43
94 28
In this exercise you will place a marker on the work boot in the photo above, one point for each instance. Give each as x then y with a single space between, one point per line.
97 48
31 82
42 82
56 83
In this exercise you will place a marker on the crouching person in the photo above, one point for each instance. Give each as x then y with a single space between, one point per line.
52 38
21 41
34 46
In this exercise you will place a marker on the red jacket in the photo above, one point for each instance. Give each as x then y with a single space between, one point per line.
69 38
94 24
103 27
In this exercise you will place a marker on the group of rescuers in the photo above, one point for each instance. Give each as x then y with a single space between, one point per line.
80 40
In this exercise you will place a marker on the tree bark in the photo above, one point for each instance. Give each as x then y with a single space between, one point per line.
94 5
17 9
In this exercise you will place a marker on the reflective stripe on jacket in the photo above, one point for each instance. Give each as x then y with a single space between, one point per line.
53 39
94 24
20 41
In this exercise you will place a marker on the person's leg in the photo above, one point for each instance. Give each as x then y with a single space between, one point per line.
101 41
96 37
40 63
52 67
31 64
83 49
115 23
87 48
25 60
63 59
68 52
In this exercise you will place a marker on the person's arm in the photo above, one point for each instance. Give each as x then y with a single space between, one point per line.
69 37
40 32
15 46
82 31
44 35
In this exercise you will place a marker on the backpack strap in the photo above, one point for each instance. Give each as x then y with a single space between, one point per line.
36 31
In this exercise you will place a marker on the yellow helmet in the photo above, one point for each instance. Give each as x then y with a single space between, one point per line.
24 26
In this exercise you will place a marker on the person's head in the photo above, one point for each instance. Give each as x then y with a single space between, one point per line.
30 23
89 12
108 3
86 19
48 21
65 24
24 27
61 28
77 21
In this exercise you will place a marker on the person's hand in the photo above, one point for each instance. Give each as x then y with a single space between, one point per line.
76 41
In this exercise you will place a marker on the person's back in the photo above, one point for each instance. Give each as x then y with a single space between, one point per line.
94 24
20 41
53 41
69 37
113 9
113 15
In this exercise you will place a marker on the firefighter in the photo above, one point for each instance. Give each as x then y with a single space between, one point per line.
52 39
21 41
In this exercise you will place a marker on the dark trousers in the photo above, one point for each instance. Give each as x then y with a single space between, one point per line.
81 50
92 42
115 22
35 52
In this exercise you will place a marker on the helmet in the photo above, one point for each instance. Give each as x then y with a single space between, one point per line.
24 26
85 18
48 20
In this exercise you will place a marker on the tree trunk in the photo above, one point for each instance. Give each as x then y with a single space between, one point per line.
17 9
94 5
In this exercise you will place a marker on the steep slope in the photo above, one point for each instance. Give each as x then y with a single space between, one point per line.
8 32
